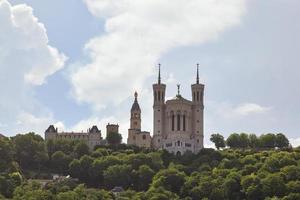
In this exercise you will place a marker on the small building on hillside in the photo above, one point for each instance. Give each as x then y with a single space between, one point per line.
2 136
92 137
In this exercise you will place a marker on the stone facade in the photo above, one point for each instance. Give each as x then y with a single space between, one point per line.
92 137
177 123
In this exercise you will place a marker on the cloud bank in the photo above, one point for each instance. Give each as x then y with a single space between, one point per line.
137 33
26 60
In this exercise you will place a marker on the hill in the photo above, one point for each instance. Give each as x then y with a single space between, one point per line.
27 164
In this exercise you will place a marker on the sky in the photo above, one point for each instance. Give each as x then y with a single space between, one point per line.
77 63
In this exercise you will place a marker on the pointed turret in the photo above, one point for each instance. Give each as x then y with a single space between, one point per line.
159 78
135 105
197 79
135 120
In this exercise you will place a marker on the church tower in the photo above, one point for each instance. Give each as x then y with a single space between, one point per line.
198 108
135 119
159 90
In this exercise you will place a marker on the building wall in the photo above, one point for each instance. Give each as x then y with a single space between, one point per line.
190 135
140 139
90 138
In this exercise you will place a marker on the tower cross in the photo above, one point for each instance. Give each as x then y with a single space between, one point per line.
197 79
159 78
178 89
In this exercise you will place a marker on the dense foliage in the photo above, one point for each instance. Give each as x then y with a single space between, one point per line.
265 169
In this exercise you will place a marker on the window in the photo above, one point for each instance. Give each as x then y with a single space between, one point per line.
198 96
178 143
168 144
133 137
162 96
188 145
158 140
178 122
155 96
198 141
183 122
194 96
144 137
173 122
158 95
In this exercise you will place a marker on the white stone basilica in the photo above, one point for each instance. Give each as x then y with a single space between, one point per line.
177 123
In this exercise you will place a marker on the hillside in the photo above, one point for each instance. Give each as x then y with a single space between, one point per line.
143 174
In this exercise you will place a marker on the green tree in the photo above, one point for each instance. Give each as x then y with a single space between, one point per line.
267 141
114 138
81 149
218 140
252 187
244 141
159 194
253 141
233 141
232 186
170 179
6 153
60 162
282 141
117 175
145 175
30 150
273 185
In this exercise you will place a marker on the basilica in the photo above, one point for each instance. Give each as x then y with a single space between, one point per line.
177 123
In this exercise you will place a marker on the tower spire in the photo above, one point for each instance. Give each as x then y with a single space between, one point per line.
178 90
197 79
135 96
159 78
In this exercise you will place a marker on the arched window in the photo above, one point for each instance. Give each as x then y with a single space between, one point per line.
184 122
201 96
144 137
178 143
173 122
178 122
158 95
155 96
194 96
162 96
198 96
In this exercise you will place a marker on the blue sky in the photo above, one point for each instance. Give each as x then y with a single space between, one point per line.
247 50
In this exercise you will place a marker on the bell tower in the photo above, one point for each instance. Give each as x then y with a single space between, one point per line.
135 119
159 91
198 109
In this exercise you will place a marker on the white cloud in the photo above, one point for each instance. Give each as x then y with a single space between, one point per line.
27 122
24 45
250 108
228 111
26 60
137 34
295 142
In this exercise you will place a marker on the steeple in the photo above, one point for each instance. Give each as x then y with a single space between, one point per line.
135 96
159 78
135 105
197 79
